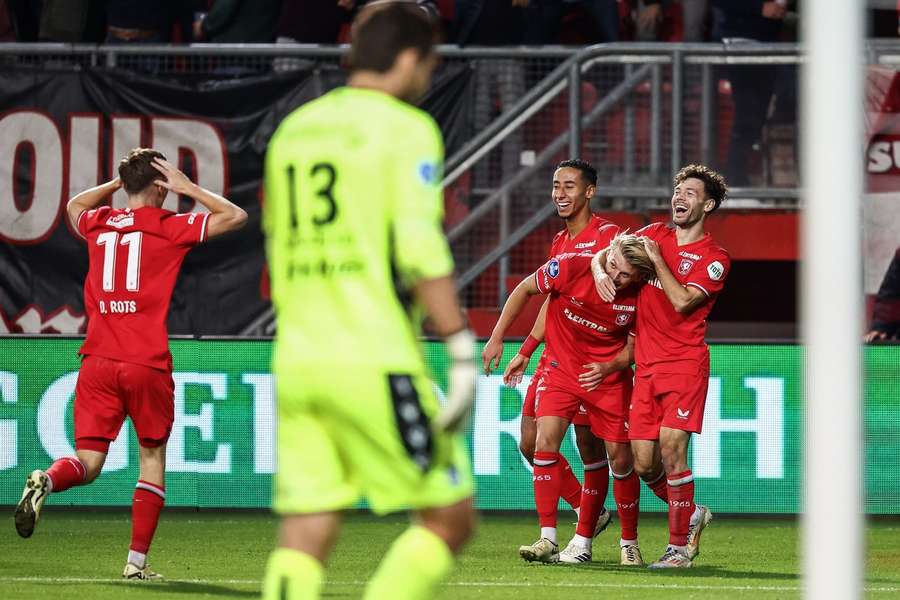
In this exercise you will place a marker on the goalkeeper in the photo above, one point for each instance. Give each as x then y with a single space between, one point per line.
355 247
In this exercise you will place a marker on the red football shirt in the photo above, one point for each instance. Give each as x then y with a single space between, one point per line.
594 237
669 342
581 327
134 257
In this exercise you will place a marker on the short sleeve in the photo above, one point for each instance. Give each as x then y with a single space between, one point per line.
186 229
709 274
553 275
420 250
652 231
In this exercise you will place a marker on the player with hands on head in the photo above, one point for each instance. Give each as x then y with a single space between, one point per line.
134 255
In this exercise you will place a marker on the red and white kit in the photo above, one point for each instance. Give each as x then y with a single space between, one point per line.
591 239
135 256
670 350
582 329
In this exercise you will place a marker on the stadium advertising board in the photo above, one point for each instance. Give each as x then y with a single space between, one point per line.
221 452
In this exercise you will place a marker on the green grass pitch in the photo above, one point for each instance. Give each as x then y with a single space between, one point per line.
80 554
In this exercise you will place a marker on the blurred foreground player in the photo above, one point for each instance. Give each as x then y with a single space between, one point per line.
353 227
671 353
134 255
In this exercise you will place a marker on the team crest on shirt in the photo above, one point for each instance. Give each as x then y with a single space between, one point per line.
553 268
121 220
622 319
685 266
429 172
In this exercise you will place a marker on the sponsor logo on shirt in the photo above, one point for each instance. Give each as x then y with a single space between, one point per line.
685 266
689 255
429 172
655 283
622 319
623 307
575 301
682 414
590 244
121 220
582 321
716 270
553 268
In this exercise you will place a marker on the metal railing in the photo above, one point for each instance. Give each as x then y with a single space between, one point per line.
637 110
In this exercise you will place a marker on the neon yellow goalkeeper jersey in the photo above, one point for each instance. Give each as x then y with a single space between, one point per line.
352 217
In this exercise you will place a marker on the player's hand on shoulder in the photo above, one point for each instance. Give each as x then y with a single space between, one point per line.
174 180
491 355
515 370
875 336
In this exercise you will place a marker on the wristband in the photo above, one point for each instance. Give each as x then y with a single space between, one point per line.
529 346
461 346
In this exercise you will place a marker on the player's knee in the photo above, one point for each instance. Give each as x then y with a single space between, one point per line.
645 469
455 525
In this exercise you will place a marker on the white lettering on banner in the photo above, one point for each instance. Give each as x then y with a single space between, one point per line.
51 425
487 425
41 133
264 420
175 454
84 153
768 427
202 140
9 430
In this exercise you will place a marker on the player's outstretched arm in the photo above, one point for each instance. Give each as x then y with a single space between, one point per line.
685 300
89 199
515 370
493 350
438 297
224 215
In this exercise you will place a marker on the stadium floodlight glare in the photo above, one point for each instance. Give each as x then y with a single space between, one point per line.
832 305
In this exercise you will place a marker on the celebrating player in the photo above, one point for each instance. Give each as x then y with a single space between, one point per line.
353 227
588 364
574 184
134 255
671 354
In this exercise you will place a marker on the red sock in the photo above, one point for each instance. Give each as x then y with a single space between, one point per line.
546 486
627 492
660 487
593 497
681 506
146 505
569 486
65 473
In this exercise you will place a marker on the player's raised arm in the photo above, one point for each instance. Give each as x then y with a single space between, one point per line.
224 215
438 297
493 350
684 299
606 289
89 199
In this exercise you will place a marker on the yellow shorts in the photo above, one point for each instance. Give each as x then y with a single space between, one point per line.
346 434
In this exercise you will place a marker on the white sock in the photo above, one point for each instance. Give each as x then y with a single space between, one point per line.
680 549
583 542
137 559
549 533
695 516
623 543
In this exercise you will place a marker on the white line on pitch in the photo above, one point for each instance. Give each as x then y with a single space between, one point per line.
510 584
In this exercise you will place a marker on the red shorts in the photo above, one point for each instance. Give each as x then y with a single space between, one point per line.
580 418
667 400
606 407
109 390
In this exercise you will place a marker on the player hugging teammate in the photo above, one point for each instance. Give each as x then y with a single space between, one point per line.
593 334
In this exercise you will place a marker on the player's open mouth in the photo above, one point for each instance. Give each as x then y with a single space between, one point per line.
680 209
563 205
